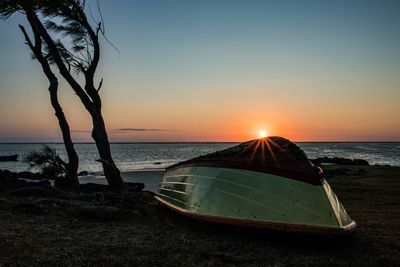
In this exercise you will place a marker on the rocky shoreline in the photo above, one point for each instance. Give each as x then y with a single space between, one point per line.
339 161
41 185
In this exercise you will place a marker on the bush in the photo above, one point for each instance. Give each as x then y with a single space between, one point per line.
47 161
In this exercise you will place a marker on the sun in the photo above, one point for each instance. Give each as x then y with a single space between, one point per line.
262 134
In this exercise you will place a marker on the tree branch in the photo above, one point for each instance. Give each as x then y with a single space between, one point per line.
100 84
98 29
34 20
37 51
93 36
27 39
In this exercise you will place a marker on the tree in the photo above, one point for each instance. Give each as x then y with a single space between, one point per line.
47 161
71 167
82 54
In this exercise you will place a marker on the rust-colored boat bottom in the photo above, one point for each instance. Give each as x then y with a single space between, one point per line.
262 224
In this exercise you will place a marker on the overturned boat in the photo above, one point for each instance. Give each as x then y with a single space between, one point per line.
267 183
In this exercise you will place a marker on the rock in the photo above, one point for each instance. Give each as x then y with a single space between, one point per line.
34 175
83 173
22 182
92 188
362 162
340 161
157 163
382 165
42 183
11 180
27 175
135 187
65 184
8 178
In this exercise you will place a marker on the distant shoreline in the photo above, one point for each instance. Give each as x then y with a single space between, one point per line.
300 142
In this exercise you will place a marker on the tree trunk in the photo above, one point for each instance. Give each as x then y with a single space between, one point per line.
73 160
111 171
89 97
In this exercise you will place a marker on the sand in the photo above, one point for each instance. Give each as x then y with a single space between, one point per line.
150 178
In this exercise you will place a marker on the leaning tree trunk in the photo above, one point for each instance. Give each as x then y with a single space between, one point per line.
99 134
73 160
89 95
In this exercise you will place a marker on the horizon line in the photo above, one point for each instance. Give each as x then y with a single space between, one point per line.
178 142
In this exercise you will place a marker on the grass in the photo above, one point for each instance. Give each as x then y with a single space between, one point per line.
64 230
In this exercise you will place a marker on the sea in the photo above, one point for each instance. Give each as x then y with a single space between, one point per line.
156 156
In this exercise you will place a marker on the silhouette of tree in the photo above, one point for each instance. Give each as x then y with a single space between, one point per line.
79 51
71 167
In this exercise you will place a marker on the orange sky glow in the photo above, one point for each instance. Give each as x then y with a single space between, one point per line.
222 72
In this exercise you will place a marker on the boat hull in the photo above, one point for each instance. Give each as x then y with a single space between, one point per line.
254 199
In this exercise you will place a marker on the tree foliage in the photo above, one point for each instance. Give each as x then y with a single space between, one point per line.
73 35
72 44
47 161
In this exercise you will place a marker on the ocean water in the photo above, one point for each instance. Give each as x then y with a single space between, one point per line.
147 156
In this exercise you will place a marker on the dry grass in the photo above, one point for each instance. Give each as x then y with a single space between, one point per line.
63 230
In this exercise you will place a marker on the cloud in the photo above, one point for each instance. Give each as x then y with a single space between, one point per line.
130 130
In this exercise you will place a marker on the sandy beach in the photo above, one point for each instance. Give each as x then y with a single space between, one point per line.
150 178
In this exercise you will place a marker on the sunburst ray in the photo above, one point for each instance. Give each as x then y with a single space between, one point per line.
272 153
254 152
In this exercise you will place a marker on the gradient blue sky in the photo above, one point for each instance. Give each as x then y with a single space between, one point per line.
223 71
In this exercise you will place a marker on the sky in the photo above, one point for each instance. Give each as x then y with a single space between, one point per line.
215 71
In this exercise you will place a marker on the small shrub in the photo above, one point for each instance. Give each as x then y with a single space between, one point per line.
47 161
